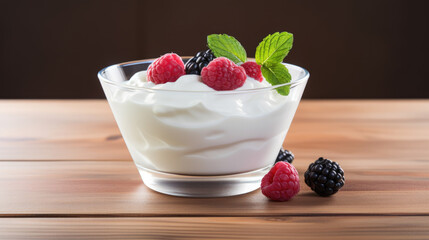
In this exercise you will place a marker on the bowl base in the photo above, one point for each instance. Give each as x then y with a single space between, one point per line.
202 186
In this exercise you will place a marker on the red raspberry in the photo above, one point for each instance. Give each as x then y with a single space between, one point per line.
281 183
253 70
223 74
167 68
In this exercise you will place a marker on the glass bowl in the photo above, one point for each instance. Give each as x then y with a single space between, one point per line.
201 143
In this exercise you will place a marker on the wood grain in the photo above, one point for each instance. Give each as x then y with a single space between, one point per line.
114 188
59 130
365 129
216 228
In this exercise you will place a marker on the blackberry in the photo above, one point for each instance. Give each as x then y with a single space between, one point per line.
285 156
325 177
200 60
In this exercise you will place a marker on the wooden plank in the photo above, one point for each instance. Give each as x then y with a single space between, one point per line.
59 130
355 110
114 188
85 130
364 129
345 227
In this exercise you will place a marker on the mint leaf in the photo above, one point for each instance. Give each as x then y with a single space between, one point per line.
223 45
274 48
277 74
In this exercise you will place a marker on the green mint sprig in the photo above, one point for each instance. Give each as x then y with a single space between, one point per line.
274 48
277 74
223 45
269 54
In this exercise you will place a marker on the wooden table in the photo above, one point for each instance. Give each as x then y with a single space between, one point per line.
65 173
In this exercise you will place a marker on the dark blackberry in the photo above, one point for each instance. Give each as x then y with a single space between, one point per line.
325 177
285 155
200 60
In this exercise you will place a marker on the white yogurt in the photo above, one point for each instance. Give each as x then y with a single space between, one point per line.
202 131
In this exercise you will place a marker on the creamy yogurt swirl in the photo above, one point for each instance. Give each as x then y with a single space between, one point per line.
193 129
188 82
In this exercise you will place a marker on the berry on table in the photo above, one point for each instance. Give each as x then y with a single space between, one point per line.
198 62
167 68
281 183
223 74
285 156
253 70
325 177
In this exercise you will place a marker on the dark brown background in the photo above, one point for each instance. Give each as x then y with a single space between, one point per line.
353 49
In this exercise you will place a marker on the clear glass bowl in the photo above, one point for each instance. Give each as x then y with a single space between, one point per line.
201 143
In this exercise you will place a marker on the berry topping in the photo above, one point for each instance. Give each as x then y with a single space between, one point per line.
167 68
285 156
325 177
198 62
269 56
223 74
253 70
281 183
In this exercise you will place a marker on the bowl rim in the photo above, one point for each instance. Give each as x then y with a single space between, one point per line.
295 82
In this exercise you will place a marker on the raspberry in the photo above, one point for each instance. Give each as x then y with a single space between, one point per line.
167 68
253 70
285 155
223 74
325 177
281 183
